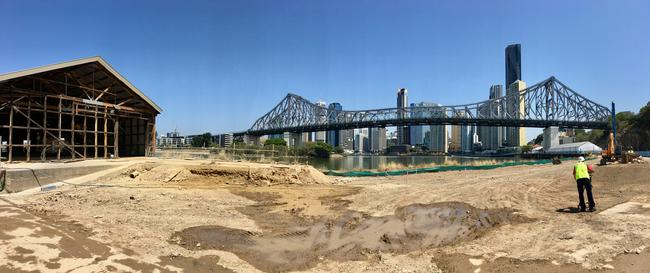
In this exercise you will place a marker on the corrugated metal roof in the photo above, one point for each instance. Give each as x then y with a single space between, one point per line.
98 59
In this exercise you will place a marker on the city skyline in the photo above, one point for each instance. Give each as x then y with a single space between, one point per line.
195 62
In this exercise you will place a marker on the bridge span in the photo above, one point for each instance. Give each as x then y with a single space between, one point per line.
547 103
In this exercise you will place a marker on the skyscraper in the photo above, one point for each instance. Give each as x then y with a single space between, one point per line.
513 64
403 132
322 117
438 141
377 139
332 137
454 142
361 140
418 132
467 137
492 137
515 108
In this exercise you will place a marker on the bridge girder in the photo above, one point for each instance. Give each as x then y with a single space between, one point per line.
548 103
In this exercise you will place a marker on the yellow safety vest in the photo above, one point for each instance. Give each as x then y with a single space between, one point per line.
581 170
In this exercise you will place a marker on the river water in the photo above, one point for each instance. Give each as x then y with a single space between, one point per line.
342 163
374 162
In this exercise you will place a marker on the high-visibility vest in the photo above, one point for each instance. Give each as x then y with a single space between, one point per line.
581 170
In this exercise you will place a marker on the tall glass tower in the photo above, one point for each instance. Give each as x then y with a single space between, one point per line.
403 132
513 64
332 136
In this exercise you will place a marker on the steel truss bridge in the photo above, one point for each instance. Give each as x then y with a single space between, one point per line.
548 103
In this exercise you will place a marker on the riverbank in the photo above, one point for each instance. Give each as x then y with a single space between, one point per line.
170 220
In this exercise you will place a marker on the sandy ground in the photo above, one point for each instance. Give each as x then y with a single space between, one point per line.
193 216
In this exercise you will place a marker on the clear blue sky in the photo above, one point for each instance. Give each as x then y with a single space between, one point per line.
218 65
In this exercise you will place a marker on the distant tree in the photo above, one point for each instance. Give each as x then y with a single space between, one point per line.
338 150
204 140
526 148
642 124
318 149
275 141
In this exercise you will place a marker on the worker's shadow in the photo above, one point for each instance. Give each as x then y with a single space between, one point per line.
568 210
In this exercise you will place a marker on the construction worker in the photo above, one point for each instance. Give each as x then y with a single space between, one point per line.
581 172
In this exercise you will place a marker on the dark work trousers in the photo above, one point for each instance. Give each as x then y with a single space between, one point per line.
585 183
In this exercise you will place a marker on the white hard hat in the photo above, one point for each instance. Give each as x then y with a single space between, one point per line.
581 159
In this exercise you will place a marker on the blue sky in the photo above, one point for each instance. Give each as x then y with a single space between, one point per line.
218 65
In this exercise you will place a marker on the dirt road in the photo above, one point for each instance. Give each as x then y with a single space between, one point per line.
194 217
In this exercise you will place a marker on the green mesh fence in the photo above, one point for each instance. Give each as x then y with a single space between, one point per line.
439 169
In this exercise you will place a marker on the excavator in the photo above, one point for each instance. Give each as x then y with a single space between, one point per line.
610 154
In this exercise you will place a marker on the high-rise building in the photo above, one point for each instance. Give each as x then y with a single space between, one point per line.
346 139
492 137
322 117
513 64
515 108
403 132
438 141
434 136
418 132
377 139
391 138
333 136
454 141
361 140
467 138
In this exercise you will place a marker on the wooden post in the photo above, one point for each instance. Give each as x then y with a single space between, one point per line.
29 127
11 129
153 135
85 132
44 124
95 143
58 151
72 137
116 149
105 134
147 138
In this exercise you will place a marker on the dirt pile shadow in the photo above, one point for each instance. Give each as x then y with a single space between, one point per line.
352 236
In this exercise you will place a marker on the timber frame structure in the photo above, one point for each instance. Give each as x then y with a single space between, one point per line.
74 110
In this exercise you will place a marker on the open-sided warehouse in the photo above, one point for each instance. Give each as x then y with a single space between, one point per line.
77 109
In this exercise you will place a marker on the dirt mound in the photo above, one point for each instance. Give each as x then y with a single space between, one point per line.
167 173
224 172
151 173
262 174
352 236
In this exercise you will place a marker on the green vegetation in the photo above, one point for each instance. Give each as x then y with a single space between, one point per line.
338 150
204 140
315 149
526 148
275 142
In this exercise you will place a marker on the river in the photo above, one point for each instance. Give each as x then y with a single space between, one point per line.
342 163
374 162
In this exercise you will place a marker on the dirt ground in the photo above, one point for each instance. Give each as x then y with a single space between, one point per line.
196 216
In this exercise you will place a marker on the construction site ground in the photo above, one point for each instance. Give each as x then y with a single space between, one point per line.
164 215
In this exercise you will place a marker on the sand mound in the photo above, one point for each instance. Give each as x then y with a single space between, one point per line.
262 174
167 173
152 173
223 172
